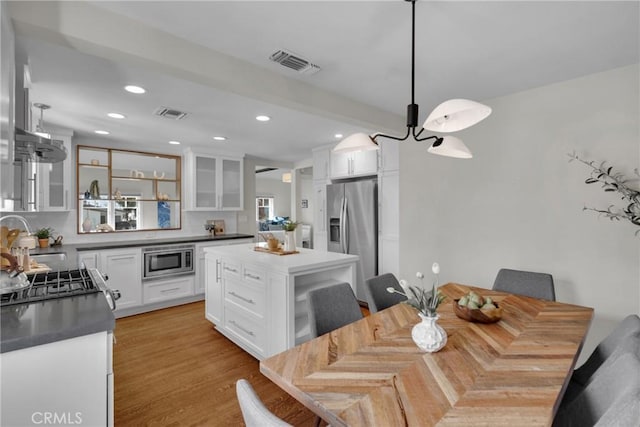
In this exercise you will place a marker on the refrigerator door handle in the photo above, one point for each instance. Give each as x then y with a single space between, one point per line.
346 225
342 225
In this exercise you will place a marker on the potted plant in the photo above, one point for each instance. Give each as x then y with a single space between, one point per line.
289 228
43 235
427 334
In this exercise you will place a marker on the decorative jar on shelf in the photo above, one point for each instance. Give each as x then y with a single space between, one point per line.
87 224
428 335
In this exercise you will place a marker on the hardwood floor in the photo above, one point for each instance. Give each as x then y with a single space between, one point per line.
172 368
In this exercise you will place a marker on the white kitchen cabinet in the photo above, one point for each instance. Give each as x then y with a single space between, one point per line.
320 217
321 159
54 179
389 155
124 269
89 260
388 223
259 300
158 290
213 296
354 164
214 182
69 379
200 281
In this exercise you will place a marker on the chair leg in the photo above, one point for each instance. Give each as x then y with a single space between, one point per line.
317 423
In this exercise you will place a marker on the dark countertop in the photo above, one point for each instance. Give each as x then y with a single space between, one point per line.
43 322
156 242
115 244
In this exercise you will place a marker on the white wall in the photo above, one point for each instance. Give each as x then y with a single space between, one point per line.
304 190
280 191
518 203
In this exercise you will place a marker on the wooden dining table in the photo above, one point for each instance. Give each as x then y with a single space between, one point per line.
370 373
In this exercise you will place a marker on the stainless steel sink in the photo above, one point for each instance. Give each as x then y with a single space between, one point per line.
47 258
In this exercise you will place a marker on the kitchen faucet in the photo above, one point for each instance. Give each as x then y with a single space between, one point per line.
21 219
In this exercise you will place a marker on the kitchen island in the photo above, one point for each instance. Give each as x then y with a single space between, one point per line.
259 300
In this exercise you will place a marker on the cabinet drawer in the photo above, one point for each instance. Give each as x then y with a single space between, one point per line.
247 295
253 275
231 269
250 331
162 290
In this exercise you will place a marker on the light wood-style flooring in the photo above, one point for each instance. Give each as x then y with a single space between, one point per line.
172 368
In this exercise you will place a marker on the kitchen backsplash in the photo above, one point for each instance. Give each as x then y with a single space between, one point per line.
64 223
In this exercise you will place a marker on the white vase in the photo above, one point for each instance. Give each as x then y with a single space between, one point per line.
289 241
428 335
87 225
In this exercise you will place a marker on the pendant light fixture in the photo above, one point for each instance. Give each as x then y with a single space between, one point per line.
450 116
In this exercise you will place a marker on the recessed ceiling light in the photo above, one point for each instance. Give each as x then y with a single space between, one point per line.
338 135
134 89
101 132
263 118
174 142
220 138
116 115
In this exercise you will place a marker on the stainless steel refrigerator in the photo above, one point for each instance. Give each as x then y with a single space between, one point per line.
352 211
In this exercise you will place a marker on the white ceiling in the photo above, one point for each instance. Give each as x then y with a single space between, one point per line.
210 59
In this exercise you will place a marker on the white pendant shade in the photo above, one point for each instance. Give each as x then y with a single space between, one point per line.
451 147
356 142
456 114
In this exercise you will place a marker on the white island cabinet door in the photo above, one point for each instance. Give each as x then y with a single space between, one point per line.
124 269
213 293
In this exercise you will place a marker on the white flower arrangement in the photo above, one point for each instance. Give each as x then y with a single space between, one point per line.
426 302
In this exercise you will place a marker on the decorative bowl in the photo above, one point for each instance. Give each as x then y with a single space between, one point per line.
477 315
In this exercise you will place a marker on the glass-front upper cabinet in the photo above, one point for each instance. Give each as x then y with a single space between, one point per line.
122 190
214 183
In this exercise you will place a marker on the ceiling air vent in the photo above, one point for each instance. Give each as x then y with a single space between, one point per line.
170 113
295 62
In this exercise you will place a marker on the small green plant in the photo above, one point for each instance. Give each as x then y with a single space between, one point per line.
44 233
289 225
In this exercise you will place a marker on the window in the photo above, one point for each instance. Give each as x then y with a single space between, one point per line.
264 208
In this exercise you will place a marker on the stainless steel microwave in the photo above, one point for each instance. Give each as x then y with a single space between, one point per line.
169 260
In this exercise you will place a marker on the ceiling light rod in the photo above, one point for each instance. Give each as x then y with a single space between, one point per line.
412 109
450 116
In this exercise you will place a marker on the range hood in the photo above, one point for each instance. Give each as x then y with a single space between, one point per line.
29 146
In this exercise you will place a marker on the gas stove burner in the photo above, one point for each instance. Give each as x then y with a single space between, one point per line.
59 284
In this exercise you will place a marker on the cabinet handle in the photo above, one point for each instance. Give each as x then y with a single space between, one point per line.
252 276
246 331
167 291
35 192
217 271
248 300
233 270
120 258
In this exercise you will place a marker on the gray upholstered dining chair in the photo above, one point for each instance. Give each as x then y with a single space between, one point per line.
331 308
527 283
377 295
625 337
611 399
577 383
254 412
